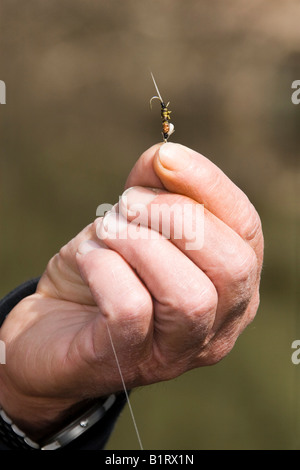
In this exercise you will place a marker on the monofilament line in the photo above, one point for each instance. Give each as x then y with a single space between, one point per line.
124 387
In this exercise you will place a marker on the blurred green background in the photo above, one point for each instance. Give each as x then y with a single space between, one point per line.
76 120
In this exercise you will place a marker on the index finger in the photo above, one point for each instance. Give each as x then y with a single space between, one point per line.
184 171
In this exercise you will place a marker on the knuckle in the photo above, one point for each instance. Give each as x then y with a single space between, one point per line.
251 310
244 266
198 300
217 355
252 224
198 311
135 305
216 351
205 302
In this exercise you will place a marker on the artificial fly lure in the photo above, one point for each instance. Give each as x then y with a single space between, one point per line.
167 126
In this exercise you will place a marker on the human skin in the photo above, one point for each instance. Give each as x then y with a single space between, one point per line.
168 309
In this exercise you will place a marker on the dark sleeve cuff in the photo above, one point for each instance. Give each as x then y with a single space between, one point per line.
98 435
14 297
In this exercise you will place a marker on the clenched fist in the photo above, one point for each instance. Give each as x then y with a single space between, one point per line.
169 302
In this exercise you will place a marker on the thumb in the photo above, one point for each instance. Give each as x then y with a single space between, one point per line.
160 167
143 174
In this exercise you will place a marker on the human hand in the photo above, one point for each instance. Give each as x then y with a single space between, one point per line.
169 309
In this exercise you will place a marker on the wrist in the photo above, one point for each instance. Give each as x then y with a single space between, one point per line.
38 417
15 438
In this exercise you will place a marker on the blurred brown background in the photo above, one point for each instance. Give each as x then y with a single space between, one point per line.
77 118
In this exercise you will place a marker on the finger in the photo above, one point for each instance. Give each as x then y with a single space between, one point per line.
215 248
222 342
143 174
185 300
184 171
121 297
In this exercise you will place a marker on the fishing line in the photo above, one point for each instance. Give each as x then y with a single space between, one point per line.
124 388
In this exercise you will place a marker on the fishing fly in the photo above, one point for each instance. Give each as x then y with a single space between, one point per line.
167 126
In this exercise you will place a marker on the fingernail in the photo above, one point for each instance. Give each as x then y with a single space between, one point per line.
87 246
112 223
136 198
173 157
